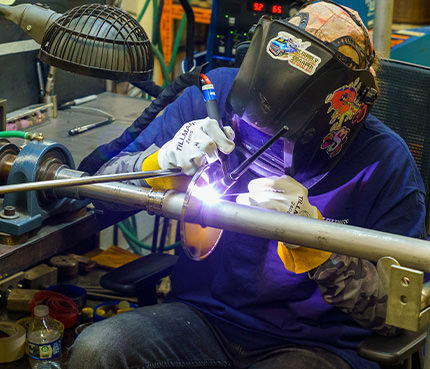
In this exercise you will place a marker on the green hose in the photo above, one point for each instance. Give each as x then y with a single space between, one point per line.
17 134
22 134
175 47
177 41
142 12
163 66
136 242
154 14
158 49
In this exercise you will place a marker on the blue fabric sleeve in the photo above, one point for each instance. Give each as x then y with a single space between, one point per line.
187 107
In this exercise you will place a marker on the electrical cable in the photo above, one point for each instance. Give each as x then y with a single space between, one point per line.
163 66
115 234
124 226
134 223
131 237
156 28
155 234
149 87
189 57
162 242
93 110
154 14
177 42
105 152
142 12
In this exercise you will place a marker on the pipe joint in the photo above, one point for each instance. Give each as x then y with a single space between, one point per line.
155 202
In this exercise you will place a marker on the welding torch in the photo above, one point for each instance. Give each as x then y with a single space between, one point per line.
209 97
230 178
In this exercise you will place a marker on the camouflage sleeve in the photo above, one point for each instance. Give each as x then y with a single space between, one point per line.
353 285
126 162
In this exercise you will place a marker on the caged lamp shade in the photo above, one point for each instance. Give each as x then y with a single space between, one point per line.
98 41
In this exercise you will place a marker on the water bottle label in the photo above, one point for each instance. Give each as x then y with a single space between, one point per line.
44 351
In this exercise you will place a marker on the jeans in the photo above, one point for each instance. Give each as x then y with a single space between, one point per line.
173 335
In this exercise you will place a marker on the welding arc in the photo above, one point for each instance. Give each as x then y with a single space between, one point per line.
44 185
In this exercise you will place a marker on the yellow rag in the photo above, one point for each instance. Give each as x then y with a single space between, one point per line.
179 183
302 259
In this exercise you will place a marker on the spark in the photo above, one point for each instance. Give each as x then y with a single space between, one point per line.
207 194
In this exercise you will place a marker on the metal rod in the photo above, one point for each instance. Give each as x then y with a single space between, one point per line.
26 112
229 179
237 172
44 185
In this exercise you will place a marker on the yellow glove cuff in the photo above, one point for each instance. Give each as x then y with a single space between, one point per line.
179 183
302 259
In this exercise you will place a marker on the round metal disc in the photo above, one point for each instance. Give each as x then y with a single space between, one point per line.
197 241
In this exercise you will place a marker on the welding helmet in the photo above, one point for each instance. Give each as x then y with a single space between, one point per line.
311 73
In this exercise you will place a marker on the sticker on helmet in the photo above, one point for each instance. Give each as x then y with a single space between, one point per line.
360 115
344 104
289 48
332 143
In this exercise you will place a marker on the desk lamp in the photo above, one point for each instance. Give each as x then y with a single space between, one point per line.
94 39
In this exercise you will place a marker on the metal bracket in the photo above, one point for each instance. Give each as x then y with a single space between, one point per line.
404 299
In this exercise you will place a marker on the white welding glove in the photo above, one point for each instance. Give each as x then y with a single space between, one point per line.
286 195
195 144
283 194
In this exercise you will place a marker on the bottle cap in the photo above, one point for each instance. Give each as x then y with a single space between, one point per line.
41 310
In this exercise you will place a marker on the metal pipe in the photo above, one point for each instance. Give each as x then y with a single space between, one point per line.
383 26
297 230
339 238
114 193
66 182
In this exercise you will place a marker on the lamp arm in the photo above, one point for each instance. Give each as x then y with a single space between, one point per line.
33 19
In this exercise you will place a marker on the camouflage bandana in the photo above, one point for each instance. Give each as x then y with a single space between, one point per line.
339 26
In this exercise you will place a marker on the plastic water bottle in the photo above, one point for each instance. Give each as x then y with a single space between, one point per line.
44 340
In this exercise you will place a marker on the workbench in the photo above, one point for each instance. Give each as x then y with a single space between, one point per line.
71 231
80 229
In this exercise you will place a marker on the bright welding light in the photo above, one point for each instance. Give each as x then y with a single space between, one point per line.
208 194
209 186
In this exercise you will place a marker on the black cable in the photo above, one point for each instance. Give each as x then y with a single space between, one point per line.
104 153
155 234
163 235
115 235
178 237
149 87
189 46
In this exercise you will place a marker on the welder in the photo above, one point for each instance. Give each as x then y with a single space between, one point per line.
257 303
